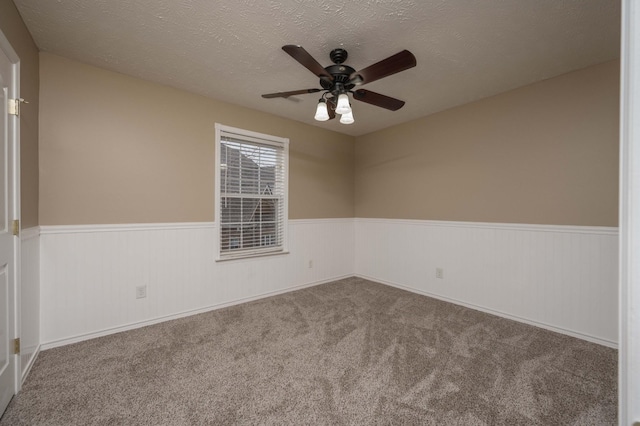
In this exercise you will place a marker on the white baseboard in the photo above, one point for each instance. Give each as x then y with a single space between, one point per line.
571 333
563 278
26 369
559 278
89 274
140 324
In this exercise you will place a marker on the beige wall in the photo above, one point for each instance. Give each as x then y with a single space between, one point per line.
546 153
14 30
116 149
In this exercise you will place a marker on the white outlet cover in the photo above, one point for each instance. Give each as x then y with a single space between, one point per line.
141 292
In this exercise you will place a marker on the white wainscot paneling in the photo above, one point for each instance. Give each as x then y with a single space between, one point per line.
564 278
90 273
29 298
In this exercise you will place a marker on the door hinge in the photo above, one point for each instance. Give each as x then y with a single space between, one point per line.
14 106
15 227
16 346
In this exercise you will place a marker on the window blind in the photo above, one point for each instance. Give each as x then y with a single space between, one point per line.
252 192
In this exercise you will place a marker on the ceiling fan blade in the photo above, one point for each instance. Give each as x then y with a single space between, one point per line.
292 93
299 54
393 64
377 99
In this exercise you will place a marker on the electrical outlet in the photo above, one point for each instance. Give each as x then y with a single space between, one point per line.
310 264
141 291
440 273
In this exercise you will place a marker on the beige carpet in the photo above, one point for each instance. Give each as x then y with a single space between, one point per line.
348 352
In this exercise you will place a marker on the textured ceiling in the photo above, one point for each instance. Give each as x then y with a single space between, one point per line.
231 50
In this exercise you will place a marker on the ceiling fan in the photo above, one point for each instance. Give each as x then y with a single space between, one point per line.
338 80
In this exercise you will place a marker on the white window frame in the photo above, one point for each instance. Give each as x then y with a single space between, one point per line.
249 136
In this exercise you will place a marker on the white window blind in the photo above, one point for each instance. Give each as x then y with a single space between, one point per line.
251 199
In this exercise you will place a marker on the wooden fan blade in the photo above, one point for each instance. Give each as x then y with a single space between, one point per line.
393 64
377 99
302 56
292 93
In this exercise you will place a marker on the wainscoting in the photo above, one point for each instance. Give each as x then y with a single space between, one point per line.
564 278
559 277
89 274
29 298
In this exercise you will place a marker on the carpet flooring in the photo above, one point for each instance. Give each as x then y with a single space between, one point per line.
351 352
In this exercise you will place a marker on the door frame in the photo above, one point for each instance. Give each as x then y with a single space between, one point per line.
629 251
14 183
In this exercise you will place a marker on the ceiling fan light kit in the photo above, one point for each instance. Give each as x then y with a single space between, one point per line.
347 118
339 80
343 106
322 114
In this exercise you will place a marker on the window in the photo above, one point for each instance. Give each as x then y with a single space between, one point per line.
251 193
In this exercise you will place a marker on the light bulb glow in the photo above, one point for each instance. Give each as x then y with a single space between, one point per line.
322 114
343 106
347 118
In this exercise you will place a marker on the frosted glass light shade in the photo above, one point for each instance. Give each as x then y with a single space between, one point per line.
322 114
343 106
347 118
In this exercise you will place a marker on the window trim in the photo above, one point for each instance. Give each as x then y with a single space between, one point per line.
264 139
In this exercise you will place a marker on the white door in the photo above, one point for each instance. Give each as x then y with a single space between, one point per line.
7 285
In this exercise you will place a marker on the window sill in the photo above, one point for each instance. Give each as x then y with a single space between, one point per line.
250 256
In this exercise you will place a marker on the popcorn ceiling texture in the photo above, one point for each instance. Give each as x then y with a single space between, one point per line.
230 50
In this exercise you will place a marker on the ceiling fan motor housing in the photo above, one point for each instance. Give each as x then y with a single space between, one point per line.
341 73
